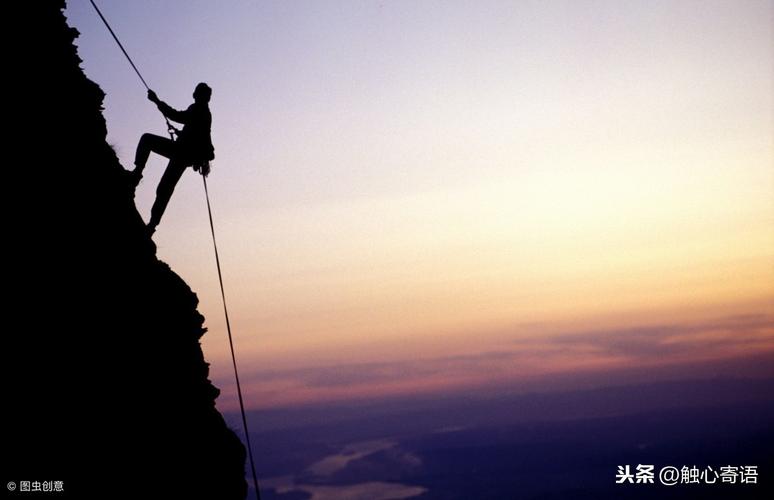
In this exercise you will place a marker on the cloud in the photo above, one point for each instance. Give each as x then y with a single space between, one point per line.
729 335
370 373
526 358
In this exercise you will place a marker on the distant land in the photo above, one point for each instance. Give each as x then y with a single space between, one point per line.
559 444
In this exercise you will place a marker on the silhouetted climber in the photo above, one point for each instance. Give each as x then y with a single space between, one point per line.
193 147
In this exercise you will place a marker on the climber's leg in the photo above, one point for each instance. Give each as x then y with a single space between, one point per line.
155 143
164 192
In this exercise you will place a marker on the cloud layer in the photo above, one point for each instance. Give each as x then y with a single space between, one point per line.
528 359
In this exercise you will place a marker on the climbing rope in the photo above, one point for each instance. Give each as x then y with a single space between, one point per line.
120 45
230 339
172 130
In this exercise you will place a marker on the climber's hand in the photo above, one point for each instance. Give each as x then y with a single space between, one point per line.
152 96
205 169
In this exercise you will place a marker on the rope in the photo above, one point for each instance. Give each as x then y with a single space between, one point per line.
170 129
230 340
119 43
217 262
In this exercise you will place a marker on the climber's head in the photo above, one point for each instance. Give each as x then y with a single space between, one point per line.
202 93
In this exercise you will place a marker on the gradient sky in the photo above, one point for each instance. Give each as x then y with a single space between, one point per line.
420 196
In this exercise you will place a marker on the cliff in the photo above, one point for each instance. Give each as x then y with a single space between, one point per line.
108 389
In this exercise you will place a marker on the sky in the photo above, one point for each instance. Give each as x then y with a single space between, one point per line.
413 197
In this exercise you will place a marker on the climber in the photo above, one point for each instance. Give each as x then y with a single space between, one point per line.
193 147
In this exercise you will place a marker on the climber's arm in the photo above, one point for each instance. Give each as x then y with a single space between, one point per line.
167 110
172 113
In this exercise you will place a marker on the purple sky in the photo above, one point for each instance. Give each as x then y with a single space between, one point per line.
422 196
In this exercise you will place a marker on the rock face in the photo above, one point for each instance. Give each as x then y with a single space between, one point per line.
107 385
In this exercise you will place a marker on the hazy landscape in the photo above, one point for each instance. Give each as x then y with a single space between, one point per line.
562 444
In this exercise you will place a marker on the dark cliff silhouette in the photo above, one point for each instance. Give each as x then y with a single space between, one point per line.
107 387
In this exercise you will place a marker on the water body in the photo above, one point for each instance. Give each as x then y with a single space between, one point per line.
354 451
371 490
363 491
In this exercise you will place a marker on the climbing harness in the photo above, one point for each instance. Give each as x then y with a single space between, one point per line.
172 133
